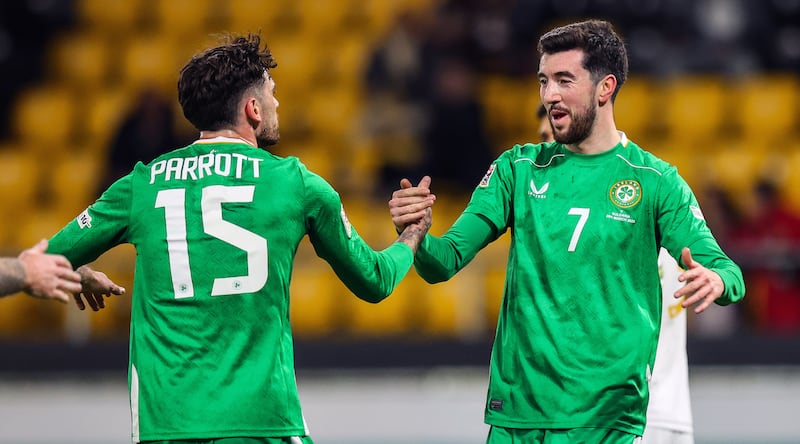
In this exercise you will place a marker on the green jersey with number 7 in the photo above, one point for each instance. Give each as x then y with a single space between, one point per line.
578 327
216 226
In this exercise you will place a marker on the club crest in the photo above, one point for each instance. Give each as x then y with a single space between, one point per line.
625 193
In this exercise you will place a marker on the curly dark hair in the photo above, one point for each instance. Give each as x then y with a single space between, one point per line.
212 83
604 51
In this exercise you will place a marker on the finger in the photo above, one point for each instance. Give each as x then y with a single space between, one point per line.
79 301
425 182
686 256
405 183
61 261
117 290
61 296
72 287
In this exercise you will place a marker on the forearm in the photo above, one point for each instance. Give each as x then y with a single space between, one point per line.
439 258
12 276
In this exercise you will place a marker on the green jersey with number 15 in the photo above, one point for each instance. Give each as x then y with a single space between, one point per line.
216 226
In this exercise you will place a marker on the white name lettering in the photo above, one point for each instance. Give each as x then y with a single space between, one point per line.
198 167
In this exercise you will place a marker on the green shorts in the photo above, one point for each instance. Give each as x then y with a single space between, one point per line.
281 440
503 435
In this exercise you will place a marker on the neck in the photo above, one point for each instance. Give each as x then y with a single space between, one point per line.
604 137
231 133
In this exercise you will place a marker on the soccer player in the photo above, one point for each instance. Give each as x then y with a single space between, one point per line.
216 226
578 327
669 411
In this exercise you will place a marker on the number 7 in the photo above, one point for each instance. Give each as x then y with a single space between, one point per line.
583 213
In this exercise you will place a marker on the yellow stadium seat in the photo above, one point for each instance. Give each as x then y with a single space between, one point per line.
633 109
457 308
694 106
81 59
43 116
40 223
768 106
314 303
736 165
150 60
112 17
790 187
182 18
102 114
390 317
334 112
74 182
253 15
19 185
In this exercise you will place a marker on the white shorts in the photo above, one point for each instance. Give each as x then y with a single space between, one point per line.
657 435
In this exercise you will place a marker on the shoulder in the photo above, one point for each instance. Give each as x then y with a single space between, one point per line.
644 161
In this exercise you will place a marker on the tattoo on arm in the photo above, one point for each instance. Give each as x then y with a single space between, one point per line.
12 276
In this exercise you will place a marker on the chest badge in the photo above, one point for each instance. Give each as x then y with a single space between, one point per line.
625 193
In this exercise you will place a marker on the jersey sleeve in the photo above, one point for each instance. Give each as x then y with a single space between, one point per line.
371 275
97 229
681 224
491 197
439 258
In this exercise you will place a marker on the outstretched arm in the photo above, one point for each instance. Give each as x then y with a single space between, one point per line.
41 275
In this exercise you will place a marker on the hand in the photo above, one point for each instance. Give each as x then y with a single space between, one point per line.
703 286
411 204
96 285
48 276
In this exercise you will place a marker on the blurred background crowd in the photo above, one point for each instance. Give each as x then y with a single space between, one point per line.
374 90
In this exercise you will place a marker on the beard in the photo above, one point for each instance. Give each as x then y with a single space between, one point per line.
580 128
268 136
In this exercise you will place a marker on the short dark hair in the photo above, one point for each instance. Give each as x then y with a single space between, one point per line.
212 83
604 51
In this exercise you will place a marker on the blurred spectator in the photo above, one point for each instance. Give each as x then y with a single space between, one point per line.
767 245
147 131
457 151
397 84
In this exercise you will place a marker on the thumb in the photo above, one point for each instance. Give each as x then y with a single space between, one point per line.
686 256
41 246
425 182
405 183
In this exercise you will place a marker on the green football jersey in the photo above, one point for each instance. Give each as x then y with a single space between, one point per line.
578 327
216 226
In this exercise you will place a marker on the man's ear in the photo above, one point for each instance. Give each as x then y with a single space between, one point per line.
252 110
605 89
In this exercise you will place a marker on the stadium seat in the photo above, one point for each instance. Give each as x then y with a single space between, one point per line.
790 188
111 17
102 113
334 112
73 182
314 303
633 109
19 185
694 106
768 106
182 18
390 317
43 116
253 15
150 59
80 59
456 308
736 166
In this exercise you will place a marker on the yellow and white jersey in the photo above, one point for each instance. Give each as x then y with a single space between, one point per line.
670 405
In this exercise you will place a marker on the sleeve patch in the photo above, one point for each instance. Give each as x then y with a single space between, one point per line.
697 212
488 176
84 219
346 222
